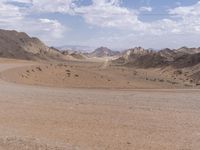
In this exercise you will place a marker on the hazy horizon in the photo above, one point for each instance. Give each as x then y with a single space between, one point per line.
90 48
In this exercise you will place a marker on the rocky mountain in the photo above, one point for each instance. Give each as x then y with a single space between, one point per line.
140 57
187 60
134 53
180 64
103 52
187 50
169 54
146 58
19 45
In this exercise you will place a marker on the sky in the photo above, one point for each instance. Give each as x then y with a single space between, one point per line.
117 24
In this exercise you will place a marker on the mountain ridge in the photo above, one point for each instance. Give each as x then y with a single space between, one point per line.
103 52
146 58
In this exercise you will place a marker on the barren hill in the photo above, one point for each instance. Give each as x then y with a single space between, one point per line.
187 50
175 65
19 45
141 58
103 52
145 58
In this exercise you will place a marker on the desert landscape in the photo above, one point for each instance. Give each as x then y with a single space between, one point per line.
36 115
138 99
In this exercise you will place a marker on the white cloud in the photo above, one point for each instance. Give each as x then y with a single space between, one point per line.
187 18
182 29
108 13
49 6
52 26
108 2
13 17
9 14
145 8
61 6
20 1
193 10
101 13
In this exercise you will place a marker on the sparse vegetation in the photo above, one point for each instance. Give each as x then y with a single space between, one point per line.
161 80
178 72
39 68
68 74
76 75
67 70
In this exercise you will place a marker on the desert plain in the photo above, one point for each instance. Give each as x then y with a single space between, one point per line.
82 105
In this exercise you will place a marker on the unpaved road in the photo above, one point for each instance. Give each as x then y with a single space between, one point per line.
34 117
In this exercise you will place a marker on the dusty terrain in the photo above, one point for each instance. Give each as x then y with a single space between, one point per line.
96 74
48 114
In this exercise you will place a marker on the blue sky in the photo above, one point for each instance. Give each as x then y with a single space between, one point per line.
118 24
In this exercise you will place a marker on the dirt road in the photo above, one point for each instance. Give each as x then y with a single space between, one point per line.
35 117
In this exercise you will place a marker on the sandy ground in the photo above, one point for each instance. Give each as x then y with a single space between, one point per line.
47 118
98 74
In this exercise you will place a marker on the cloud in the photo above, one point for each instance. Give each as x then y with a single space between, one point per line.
53 27
181 29
48 6
108 13
187 18
104 13
9 14
14 17
193 10
60 6
108 2
145 8
19 1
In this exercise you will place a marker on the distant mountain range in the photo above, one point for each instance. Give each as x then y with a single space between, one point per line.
75 48
145 58
19 45
88 51
180 62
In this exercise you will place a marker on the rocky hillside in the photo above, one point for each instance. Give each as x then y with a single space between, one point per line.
146 58
176 65
187 50
141 58
19 45
103 52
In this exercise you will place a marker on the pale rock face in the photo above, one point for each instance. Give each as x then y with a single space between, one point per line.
128 54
